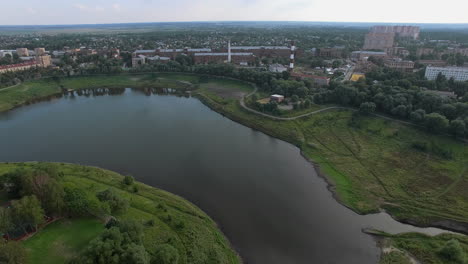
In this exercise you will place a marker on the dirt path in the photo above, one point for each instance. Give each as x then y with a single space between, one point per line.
242 103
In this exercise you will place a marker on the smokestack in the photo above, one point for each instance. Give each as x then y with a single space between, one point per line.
229 51
291 58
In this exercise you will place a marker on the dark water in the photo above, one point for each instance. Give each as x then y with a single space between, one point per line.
266 197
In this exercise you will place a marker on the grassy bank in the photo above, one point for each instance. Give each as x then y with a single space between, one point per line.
373 163
177 222
32 91
440 249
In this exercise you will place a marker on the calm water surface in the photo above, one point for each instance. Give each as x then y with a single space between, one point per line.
267 198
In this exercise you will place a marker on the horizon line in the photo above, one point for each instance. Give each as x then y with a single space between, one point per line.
238 21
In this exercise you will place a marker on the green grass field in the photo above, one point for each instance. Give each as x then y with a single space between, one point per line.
62 240
198 241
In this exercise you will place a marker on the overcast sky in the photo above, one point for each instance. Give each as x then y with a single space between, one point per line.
39 12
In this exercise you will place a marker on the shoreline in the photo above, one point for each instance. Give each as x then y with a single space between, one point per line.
446 224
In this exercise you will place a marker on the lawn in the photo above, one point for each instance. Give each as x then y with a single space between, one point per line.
62 240
178 222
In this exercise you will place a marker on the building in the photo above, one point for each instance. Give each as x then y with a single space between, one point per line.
363 55
457 73
39 51
22 52
399 65
379 41
18 67
276 98
3 53
138 60
263 51
335 52
220 57
356 76
43 61
436 63
400 31
277 68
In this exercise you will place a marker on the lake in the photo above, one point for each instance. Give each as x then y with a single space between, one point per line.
265 196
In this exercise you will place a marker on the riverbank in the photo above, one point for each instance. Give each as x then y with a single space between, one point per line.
370 163
175 221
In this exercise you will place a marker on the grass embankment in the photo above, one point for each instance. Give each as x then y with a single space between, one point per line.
424 249
373 163
176 221
32 91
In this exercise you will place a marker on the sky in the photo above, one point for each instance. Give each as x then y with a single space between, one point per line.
53 12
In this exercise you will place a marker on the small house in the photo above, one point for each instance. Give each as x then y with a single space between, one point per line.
277 98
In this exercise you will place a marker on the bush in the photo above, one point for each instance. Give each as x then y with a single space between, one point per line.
453 251
165 254
115 202
128 180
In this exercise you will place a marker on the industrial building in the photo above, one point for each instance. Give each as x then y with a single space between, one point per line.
457 73
18 67
363 55
219 57
399 65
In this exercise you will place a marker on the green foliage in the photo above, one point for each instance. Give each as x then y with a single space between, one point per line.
116 203
77 202
367 108
128 180
12 253
453 251
27 211
119 244
165 254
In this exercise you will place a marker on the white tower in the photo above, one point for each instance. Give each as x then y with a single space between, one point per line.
291 58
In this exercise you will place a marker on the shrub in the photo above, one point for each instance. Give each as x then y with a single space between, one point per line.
453 251
128 180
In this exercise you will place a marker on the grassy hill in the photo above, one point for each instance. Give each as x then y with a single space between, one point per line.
176 221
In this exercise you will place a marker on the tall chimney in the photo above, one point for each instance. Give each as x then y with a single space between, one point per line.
291 58
229 51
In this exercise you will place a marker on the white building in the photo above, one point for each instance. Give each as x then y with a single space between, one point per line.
458 73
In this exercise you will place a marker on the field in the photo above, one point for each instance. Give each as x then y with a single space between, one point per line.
62 240
176 221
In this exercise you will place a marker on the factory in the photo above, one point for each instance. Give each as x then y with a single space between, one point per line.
240 55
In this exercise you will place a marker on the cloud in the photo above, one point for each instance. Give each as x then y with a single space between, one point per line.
86 8
31 11
116 7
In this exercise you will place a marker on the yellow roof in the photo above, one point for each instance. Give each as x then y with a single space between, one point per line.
355 77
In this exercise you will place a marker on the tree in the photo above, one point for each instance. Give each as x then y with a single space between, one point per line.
436 122
418 116
457 128
453 251
165 254
367 107
27 211
12 253
76 201
116 202
6 222
121 243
